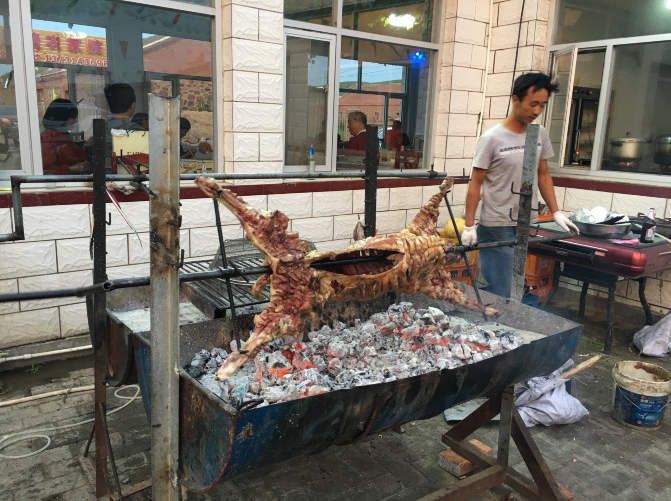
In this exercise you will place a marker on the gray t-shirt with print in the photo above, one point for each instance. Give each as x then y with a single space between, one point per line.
501 152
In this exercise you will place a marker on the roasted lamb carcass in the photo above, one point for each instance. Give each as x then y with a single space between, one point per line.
410 261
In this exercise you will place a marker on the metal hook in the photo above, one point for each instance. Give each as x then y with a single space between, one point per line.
510 212
109 219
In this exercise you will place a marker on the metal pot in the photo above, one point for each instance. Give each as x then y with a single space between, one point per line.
663 145
626 148
602 230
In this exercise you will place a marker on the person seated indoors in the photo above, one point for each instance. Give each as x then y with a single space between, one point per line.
61 154
356 125
121 101
396 138
201 151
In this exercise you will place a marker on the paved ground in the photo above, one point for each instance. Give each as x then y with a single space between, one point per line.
596 458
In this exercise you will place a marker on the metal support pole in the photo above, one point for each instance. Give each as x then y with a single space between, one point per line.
98 310
164 262
372 160
529 168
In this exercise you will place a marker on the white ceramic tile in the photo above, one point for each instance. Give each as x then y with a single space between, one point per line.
329 203
28 327
21 259
56 221
315 229
50 282
8 287
73 320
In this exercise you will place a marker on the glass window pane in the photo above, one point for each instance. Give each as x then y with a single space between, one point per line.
10 157
387 77
311 11
403 18
581 20
584 107
306 100
388 88
561 69
349 74
638 137
79 47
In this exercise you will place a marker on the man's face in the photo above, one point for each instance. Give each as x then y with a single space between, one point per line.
533 104
354 126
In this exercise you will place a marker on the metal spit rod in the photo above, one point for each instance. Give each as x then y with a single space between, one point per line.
464 256
123 283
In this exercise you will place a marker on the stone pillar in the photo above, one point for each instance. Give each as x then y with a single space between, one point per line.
253 45
531 55
461 80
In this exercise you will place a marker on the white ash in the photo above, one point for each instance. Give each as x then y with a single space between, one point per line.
402 342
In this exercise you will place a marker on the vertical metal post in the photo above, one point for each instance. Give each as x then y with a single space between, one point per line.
164 262
99 305
371 161
529 168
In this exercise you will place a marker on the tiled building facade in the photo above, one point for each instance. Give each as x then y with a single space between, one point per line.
475 64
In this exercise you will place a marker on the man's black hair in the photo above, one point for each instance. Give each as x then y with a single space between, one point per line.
120 97
59 112
184 124
535 81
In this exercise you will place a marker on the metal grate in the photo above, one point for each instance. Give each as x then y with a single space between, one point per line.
211 296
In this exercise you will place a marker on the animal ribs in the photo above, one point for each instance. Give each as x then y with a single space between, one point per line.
410 261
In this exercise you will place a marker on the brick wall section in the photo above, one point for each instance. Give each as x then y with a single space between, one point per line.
531 56
253 55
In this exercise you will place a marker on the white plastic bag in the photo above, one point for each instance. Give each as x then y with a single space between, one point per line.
655 340
554 407
544 400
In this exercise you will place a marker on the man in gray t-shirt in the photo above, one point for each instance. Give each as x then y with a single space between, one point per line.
497 166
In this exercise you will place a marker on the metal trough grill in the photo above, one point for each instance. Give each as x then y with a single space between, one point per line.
218 441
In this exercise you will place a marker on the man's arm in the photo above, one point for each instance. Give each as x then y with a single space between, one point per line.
546 187
473 194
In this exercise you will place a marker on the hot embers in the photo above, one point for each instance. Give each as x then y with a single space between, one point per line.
402 342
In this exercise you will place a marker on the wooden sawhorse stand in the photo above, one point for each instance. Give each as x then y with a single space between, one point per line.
492 472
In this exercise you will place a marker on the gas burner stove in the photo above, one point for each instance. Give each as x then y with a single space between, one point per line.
623 256
624 165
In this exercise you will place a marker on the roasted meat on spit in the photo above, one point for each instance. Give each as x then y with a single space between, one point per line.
410 261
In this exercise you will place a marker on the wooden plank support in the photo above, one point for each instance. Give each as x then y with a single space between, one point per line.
545 488
540 472
478 482
475 419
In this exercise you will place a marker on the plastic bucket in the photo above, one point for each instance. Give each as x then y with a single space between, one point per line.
641 393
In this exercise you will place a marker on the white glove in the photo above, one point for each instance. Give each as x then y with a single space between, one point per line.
562 220
469 236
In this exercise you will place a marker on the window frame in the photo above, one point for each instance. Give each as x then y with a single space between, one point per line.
331 146
20 24
610 45
334 94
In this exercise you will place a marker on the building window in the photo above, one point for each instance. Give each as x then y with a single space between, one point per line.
379 78
100 59
609 117
389 84
584 20
10 154
307 100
